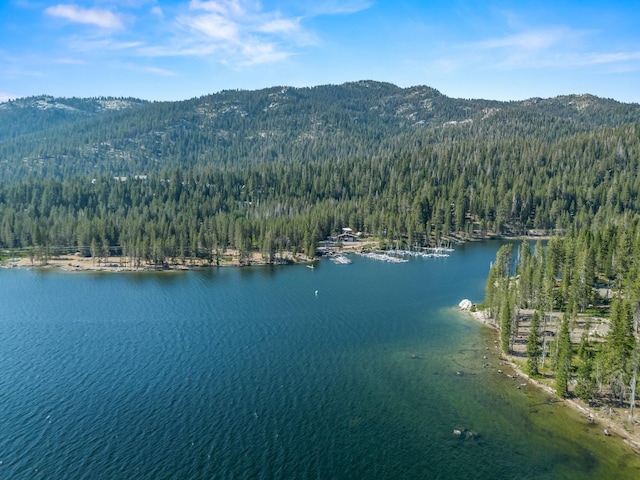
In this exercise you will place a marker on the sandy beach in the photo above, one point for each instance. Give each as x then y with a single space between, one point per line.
78 263
228 258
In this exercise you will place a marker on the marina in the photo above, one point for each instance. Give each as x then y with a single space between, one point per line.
399 256
383 257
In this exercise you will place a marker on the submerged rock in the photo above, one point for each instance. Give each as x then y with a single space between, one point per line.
465 434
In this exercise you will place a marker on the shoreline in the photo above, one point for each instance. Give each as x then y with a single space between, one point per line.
118 264
614 427
229 258
74 263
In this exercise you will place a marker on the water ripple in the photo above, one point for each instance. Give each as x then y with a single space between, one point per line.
250 374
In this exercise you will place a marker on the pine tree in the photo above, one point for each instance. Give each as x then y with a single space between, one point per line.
525 274
585 384
534 348
505 322
563 369
634 365
617 351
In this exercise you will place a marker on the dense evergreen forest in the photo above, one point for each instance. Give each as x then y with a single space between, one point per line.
572 310
282 168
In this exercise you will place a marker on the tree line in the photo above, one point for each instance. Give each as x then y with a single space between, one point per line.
417 195
565 288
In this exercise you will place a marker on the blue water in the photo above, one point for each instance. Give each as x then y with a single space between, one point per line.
247 373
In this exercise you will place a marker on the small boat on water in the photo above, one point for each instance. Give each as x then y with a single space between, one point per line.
311 266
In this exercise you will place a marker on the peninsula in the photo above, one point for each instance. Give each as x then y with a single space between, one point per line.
567 319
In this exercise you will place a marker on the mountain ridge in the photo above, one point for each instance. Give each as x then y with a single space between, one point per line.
45 135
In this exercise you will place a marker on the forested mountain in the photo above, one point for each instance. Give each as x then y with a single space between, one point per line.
40 114
283 167
62 137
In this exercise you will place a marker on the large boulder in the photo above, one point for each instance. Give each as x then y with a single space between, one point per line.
465 304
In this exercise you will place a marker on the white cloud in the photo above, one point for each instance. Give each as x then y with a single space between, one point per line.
337 7
558 48
129 3
162 72
102 45
179 49
529 48
68 61
262 53
280 25
529 40
617 57
213 26
225 7
237 32
97 17
232 32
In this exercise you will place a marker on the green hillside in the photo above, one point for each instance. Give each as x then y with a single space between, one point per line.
282 168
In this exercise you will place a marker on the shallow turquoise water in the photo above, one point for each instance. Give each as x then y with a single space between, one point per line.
247 373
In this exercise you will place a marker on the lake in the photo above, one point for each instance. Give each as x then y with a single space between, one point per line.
358 371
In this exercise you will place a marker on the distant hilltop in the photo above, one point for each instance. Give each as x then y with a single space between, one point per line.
125 136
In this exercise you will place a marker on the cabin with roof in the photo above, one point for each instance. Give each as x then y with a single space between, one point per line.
347 235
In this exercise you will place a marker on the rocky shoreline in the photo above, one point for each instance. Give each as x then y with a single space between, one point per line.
614 422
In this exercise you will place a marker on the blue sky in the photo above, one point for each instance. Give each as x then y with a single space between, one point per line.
179 49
